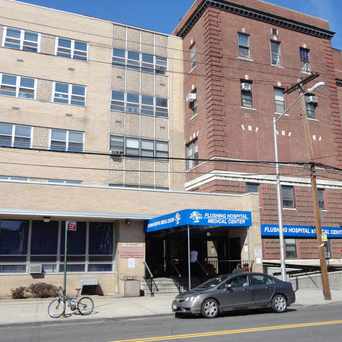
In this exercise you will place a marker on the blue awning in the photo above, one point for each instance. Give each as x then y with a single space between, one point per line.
200 218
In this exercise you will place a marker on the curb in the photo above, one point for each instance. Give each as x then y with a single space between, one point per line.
81 320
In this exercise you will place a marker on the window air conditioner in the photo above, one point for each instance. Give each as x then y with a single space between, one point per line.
191 97
36 269
246 86
116 153
311 99
306 67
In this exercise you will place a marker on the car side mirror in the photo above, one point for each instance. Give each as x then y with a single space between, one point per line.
228 287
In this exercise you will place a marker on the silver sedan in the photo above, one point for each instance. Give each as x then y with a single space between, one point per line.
235 292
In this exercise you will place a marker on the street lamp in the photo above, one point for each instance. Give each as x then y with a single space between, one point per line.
279 204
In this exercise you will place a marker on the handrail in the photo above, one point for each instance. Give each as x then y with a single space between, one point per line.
151 278
179 274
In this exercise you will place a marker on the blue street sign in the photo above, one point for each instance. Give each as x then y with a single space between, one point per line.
292 231
200 217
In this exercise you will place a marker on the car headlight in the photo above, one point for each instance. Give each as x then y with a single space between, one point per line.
191 299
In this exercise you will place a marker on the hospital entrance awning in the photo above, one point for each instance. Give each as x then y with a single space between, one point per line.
200 218
196 218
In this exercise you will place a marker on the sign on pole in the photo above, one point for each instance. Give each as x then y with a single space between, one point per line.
72 226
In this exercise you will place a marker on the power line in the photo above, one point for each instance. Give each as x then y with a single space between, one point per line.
225 160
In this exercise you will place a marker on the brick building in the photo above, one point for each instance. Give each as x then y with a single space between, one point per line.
240 55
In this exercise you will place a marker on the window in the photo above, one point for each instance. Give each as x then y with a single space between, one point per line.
70 48
258 279
252 187
147 61
76 240
70 94
44 238
139 61
244 48
162 107
191 151
19 248
311 105
17 86
279 100
118 101
147 105
132 146
246 94
117 144
22 136
15 135
68 141
162 149
290 248
133 60
101 239
161 65
193 104
304 54
288 196
119 57
275 52
193 56
135 103
13 237
132 105
147 148
139 147
239 281
321 202
21 39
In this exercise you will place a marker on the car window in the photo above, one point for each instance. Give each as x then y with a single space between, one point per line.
239 281
259 279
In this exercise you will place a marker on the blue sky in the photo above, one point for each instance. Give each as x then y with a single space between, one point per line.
163 15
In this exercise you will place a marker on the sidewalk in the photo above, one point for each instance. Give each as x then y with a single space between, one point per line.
35 311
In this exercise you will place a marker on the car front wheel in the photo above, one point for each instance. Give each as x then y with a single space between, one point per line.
279 303
210 308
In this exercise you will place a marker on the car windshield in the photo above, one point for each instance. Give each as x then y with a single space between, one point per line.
212 283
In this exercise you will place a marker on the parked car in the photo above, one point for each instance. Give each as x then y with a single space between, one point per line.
237 291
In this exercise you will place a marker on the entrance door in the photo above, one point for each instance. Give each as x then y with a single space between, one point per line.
234 253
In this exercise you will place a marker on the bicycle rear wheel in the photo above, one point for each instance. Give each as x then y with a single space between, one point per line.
85 306
56 308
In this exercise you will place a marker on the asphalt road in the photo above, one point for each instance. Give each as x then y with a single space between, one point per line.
302 324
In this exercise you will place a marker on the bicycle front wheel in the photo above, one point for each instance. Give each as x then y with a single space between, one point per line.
56 308
85 306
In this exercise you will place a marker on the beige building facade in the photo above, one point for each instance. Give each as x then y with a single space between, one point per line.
90 114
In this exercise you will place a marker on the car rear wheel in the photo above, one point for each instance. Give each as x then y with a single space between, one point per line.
279 303
210 308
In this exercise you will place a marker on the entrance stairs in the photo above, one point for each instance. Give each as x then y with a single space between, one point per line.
162 286
165 285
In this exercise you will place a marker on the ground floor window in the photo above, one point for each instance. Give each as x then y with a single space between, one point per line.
91 248
290 249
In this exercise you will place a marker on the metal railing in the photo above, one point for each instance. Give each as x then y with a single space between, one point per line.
150 280
176 268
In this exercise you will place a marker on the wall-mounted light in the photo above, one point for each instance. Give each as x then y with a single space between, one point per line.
46 219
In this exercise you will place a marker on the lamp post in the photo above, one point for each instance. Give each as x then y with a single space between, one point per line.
276 156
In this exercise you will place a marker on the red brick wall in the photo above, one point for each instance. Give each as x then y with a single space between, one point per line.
224 129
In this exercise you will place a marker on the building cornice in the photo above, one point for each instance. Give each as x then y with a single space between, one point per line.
255 14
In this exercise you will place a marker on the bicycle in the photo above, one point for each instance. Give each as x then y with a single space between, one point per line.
57 308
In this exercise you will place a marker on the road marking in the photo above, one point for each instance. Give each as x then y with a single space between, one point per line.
233 332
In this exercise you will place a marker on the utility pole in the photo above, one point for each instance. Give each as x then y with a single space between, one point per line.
323 263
